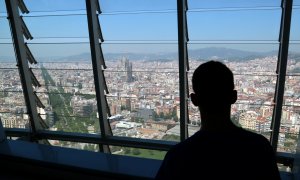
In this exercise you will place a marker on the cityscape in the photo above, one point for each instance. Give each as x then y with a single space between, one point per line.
143 98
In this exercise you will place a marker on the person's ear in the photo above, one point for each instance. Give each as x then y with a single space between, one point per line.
195 99
234 96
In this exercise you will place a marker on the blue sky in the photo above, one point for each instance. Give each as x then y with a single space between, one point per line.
202 25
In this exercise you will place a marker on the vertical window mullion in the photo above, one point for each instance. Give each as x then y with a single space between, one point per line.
182 57
18 29
281 69
95 35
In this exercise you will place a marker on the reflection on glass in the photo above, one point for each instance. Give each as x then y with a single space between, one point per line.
75 145
284 168
138 152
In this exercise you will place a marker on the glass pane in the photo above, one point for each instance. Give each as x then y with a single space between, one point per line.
139 26
290 121
2 7
54 5
194 118
287 142
295 25
293 64
143 90
13 109
57 26
5 35
254 76
142 74
109 6
253 117
66 53
138 152
284 168
296 3
234 25
233 3
68 94
75 145
9 77
7 53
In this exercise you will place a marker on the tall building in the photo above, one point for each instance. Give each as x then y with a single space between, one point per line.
129 73
128 69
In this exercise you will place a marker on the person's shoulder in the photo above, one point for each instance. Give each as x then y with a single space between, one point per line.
251 134
187 144
254 137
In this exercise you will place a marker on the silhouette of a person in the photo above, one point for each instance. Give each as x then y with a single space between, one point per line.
220 149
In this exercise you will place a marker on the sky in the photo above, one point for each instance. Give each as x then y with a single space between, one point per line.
258 20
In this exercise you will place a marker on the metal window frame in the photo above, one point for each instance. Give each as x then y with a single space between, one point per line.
183 66
18 29
95 35
287 6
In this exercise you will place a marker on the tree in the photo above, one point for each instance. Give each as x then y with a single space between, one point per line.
175 119
127 150
79 85
151 152
136 151
161 115
115 148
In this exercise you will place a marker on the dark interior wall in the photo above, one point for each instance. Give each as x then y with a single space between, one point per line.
17 168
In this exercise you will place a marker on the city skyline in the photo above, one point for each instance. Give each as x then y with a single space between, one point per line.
207 53
143 98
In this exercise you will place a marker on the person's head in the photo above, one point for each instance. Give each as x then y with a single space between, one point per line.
213 86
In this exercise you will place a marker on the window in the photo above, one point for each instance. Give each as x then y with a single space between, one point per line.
289 127
142 67
114 76
13 108
230 32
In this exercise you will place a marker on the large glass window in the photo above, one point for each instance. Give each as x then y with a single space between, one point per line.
13 111
230 32
290 119
140 51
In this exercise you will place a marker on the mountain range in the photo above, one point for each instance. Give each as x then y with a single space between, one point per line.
215 53
204 53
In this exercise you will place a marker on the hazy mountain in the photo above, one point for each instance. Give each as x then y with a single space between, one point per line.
204 53
225 53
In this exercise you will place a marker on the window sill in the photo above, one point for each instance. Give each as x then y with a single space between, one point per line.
79 161
90 164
